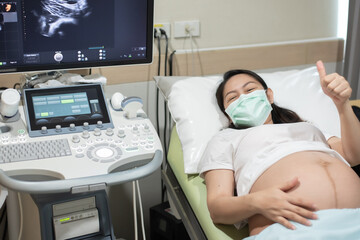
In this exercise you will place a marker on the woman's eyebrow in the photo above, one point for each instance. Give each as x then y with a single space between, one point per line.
247 83
233 91
243 86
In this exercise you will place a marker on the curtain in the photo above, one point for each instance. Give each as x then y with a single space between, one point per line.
352 52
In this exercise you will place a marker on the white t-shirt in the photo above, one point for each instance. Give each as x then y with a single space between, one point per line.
249 152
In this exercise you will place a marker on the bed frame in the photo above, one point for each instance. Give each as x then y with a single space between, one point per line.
182 205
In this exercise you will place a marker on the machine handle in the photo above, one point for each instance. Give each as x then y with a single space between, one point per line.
60 186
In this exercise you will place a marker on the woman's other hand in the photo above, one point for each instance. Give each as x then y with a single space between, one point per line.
279 206
334 85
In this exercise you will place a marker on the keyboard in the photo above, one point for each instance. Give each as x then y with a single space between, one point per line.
34 150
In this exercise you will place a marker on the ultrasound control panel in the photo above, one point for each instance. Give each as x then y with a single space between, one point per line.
85 138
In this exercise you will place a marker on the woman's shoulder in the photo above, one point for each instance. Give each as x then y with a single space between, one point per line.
224 135
228 132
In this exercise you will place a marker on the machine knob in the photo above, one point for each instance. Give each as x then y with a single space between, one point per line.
99 124
135 130
75 139
104 152
43 129
58 128
97 132
121 133
109 132
86 125
146 128
72 127
85 134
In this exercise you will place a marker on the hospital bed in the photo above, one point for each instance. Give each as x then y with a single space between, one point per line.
197 118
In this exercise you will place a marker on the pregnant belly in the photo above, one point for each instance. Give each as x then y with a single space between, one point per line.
324 180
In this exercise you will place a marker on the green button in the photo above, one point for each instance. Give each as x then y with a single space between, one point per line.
21 131
67 101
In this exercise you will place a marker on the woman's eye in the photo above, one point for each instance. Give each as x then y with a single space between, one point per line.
231 98
250 89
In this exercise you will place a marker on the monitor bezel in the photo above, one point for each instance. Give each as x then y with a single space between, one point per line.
87 65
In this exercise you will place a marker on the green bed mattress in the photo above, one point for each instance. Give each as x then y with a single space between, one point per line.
194 188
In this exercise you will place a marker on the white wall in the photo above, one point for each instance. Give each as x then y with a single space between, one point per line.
238 22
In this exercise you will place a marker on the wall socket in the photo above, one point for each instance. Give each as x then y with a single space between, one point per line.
184 28
164 26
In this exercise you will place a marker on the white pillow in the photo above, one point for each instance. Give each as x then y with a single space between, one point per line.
193 106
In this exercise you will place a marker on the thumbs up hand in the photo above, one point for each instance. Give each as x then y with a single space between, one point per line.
334 85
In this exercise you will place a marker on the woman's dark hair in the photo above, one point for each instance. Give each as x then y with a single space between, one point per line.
278 114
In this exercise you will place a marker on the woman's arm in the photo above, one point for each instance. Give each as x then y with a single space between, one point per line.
339 90
274 203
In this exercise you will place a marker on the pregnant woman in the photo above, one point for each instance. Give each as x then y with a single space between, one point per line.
285 171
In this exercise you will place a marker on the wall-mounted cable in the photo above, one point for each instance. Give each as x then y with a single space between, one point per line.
158 38
136 190
163 33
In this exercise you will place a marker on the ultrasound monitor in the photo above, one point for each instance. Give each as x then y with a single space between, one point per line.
41 35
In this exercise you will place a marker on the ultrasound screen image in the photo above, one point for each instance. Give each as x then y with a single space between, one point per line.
51 25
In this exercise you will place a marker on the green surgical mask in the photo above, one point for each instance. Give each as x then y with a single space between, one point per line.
250 110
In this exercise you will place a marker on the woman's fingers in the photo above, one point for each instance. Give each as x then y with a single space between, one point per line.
299 202
280 206
296 214
299 212
303 212
321 69
334 85
287 186
292 216
286 223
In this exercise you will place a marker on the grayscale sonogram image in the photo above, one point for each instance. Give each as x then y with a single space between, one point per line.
50 25
55 13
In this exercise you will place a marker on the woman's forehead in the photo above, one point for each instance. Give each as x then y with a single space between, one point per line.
238 81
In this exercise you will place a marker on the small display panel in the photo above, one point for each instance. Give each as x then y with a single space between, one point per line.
52 107
60 105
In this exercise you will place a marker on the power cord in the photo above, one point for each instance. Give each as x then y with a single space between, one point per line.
158 37
163 33
136 189
134 211
3 218
21 216
189 32
171 63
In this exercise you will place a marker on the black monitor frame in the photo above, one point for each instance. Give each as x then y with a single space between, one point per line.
90 64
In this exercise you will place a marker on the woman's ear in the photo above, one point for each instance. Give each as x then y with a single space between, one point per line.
270 95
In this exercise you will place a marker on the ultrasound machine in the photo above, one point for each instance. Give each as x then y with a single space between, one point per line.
64 146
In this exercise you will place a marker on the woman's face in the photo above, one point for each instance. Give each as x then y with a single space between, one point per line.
238 85
243 84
